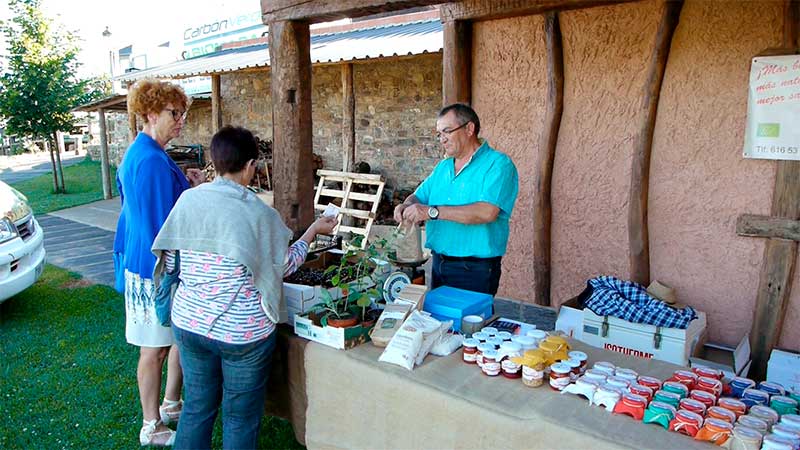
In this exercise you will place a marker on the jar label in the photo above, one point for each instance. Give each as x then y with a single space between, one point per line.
470 357
559 383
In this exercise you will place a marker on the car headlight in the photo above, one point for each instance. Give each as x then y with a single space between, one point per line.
7 230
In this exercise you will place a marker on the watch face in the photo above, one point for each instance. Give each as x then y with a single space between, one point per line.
433 212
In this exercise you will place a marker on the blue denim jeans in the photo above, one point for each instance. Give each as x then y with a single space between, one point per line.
214 372
477 275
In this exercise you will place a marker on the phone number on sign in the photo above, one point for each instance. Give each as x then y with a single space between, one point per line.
777 149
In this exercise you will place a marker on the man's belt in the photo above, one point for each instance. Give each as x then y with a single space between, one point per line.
468 258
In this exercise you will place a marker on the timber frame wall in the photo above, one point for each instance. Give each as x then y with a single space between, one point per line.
289 21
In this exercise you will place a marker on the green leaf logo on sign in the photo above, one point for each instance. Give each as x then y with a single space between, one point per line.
769 130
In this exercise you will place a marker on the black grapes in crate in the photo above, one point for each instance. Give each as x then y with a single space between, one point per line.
310 277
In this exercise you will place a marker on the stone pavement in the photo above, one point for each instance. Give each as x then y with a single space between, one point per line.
79 248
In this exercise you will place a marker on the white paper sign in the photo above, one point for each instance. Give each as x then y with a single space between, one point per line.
773 108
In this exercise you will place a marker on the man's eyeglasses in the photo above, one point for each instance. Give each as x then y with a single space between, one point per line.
177 115
446 133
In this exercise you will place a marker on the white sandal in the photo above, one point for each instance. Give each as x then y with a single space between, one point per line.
149 436
170 411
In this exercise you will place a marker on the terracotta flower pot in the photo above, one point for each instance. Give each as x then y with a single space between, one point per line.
347 321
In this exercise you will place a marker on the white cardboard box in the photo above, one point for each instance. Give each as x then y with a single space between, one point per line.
635 339
340 338
731 361
784 368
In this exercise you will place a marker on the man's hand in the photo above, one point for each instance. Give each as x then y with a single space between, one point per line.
196 177
398 212
416 213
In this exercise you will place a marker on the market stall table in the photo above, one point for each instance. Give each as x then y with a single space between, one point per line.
353 401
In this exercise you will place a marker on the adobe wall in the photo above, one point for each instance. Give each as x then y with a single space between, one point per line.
508 84
699 183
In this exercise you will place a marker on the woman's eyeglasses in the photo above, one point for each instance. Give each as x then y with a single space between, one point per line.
446 133
177 115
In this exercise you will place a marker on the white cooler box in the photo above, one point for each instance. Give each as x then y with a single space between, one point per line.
644 341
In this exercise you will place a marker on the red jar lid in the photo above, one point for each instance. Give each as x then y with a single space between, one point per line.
707 372
651 382
633 400
638 389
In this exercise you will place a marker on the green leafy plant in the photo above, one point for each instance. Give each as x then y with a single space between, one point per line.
354 276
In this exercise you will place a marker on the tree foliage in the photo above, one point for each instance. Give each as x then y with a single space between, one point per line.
40 86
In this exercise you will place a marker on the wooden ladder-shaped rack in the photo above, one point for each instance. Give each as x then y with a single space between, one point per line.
346 194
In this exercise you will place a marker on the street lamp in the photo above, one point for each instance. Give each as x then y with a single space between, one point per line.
107 38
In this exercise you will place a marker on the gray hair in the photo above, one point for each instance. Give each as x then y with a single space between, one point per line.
464 113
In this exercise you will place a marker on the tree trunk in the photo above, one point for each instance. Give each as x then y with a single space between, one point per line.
49 148
58 161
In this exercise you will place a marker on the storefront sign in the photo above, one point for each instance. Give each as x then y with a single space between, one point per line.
773 109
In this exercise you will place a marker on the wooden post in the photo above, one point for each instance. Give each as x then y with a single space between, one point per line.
293 177
638 233
457 62
777 270
105 171
348 118
216 104
542 204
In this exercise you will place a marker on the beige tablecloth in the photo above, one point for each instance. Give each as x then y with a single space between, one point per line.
356 402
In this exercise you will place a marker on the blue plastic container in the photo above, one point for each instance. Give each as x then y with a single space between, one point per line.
449 303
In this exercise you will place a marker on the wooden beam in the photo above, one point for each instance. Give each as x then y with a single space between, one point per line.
311 11
293 176
777 270
105 171
638 232
754 225
457 62
501 9
348 118
542 203
216 104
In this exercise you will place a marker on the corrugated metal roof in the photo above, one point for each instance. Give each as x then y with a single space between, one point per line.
411 38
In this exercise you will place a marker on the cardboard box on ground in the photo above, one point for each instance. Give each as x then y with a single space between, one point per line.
683 347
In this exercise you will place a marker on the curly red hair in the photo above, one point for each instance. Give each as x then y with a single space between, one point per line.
152 96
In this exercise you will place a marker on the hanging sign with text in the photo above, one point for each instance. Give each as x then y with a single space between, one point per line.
773 108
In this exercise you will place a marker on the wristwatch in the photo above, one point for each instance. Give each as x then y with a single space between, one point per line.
433 212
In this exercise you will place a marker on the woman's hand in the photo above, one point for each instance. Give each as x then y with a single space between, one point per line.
196 177
324 225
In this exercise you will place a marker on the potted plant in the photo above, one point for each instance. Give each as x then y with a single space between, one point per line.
353 276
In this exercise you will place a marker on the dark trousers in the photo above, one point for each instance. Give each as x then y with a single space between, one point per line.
472 274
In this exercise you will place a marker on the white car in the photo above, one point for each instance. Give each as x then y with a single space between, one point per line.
22 254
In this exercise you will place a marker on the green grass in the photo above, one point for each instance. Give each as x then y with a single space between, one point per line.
82 181
67 376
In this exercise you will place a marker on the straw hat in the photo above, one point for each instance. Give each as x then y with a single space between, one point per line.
664 293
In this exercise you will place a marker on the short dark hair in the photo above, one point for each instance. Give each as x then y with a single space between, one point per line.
464 113
231 148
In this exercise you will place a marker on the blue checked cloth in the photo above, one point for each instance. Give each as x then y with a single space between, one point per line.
630 301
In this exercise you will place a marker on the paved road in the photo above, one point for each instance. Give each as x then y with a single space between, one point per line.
14 169
79 248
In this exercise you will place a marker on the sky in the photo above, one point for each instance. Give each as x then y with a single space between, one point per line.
140 22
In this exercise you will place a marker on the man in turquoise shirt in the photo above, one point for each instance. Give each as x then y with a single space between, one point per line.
466 201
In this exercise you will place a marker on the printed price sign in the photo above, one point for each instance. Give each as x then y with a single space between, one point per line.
773 109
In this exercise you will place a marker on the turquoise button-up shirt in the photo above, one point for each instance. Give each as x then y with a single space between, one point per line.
491 177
